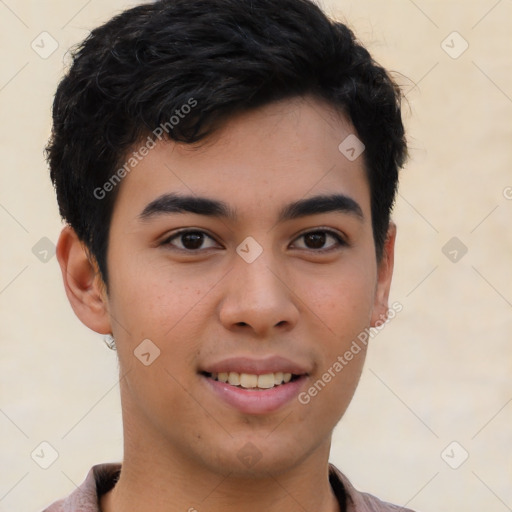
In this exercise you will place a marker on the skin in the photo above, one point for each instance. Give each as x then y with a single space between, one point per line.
181 441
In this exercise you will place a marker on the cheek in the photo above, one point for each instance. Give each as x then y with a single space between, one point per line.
148 300
343 300
330 391
168 308
150 304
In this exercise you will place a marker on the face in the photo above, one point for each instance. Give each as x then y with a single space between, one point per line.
225 260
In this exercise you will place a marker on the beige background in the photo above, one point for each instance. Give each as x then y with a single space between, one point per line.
440 372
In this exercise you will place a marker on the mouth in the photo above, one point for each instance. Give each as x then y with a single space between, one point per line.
254 394
255 386
252 381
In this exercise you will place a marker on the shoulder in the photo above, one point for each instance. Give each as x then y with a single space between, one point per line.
357 501
100 479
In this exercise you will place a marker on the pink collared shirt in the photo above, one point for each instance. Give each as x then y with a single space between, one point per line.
102 477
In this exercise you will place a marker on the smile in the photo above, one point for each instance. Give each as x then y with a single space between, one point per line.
254 394
253 381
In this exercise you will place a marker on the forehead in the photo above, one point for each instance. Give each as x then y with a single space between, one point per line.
255 162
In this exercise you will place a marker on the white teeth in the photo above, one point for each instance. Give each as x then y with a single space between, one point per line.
252 381
234 379
248 380
266 381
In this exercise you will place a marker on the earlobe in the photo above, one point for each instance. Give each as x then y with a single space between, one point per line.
384 276
82 281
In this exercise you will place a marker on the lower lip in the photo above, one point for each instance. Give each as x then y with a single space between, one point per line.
249 401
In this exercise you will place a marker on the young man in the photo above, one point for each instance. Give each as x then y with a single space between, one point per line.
226 169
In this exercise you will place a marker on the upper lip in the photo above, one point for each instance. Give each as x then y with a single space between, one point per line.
272 364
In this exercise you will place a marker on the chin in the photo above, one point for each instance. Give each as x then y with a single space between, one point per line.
254 457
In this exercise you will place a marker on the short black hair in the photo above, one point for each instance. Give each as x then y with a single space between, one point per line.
136 73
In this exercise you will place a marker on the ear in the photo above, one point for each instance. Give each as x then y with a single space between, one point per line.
83 283
384 275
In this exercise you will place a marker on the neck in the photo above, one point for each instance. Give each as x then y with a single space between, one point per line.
164 480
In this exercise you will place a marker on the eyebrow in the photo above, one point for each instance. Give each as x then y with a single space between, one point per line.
176 203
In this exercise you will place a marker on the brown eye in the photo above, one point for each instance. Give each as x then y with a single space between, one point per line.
191 240
316 240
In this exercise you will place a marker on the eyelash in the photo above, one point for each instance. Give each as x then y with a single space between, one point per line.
341 242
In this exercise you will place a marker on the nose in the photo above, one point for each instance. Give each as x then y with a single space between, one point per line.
259 298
